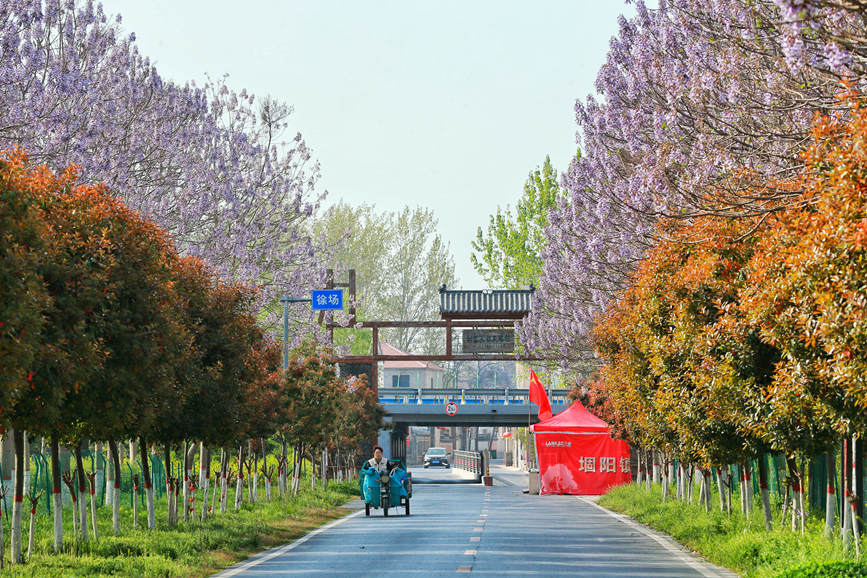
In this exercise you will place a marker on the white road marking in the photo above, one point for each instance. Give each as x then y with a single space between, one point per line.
238 568
668 544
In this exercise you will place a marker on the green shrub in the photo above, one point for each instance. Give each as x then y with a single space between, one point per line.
841 569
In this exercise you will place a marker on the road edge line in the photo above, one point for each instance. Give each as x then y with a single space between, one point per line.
274 552
666 542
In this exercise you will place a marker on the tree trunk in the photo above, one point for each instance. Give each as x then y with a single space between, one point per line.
853 497
766 497
664 480
115 489
689 480
18 496
639 475
830 497
26 465
706 475
648 474
56 496
224 479
656 468
204 476
239 488
720 482
283 462
109 479
82 494
149 488
91 477
186 483
170 487
32 529
3 491
797 492
254 477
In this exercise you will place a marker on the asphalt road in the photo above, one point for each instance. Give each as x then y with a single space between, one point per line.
469 528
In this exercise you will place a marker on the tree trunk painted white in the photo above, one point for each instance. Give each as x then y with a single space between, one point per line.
212 509
82 496
706 478
148 482
239 491
75 533
690 485
2 542
830 496
101 466
206 486
656 468
856 534
93 510
253 487
639 474
170 486
135 489
56 495
720 483
18 498
32 528
149 499
224 491
648 472
204 477
26 465
749 482
109 480
766 497
186 497
112 497
57 512
847 522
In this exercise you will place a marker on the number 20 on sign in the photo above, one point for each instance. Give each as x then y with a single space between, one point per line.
451 408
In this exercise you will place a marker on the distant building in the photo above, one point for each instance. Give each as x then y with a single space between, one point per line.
409 373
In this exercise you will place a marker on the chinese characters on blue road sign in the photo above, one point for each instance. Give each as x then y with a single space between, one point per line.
325 300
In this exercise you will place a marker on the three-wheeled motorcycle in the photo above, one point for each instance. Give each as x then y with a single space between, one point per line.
381 490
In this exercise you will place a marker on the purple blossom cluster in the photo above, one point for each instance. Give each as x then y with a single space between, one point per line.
206 162
696 101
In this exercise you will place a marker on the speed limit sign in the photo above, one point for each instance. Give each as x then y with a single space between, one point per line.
451 408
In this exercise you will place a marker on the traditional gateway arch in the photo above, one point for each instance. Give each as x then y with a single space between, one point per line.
486 319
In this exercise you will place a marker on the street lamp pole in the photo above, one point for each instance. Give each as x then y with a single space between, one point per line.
286 300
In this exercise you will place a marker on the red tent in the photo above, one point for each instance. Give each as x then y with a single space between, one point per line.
577 455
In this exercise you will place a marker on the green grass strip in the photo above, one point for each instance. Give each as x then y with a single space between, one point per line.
192 549
735 542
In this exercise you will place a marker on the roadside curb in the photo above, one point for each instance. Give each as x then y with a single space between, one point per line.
671 545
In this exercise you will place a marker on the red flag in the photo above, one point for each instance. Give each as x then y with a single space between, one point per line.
539 397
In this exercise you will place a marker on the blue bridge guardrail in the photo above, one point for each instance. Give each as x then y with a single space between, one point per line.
465 396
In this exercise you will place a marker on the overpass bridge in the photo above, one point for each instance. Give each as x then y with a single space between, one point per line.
475 407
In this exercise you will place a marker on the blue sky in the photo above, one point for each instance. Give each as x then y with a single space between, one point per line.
447 105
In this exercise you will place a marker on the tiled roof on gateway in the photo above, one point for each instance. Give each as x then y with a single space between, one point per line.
493 303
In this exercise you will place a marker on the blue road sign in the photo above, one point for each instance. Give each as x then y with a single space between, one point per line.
326 300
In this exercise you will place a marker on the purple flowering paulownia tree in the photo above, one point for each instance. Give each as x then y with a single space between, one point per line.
695 102
207 163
